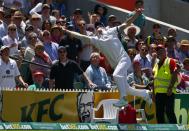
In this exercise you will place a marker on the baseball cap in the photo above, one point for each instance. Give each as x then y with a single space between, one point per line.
37 73
69 26
61 47
170 38
111 17
160 46
29 27
4 47
77 11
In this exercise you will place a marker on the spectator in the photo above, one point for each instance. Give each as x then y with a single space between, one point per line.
93 18
46 15
138 79
171 47
156 34
90 28
165 82
152 55
41 57
56 14
172 32
29 53
111 20
17 19
39 6
141 20
183 50
130 40
38 78
102 12
73 45
184 84
96 73
7 19
56 34
145 62
61 22
35 21
9 70
87 49
131 54
77 16
51 48
17 4
63 72
106 65
3 29
46 25
139 45
11 39
24 42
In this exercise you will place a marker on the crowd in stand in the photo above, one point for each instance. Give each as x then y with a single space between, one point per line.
33 32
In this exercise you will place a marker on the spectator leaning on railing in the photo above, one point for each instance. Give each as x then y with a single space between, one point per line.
96 73
63 71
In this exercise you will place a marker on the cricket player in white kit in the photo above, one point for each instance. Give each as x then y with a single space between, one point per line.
108 43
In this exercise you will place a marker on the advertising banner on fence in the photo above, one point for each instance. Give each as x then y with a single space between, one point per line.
40 106
48 106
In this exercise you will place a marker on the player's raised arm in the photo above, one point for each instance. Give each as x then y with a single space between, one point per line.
83 38
130 20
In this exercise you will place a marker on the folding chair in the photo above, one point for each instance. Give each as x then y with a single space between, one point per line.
110 113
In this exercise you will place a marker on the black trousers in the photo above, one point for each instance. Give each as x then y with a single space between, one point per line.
165 105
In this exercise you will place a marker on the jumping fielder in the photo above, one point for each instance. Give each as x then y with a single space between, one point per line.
108 43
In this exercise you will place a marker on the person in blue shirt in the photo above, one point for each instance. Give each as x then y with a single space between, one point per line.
96 73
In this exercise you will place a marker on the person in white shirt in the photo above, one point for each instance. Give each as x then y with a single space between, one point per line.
11 40
18 4
39 6
108 42
9 70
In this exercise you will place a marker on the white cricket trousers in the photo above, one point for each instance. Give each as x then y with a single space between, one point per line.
120 77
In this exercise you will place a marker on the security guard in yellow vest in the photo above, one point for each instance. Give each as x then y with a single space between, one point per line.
165 82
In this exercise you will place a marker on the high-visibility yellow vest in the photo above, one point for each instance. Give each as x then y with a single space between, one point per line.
148 40
162 77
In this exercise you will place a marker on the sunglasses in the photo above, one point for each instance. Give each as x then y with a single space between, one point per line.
34 37
61 52
81 24
46 34
12 29
35 19
29 30
18 18
144 50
